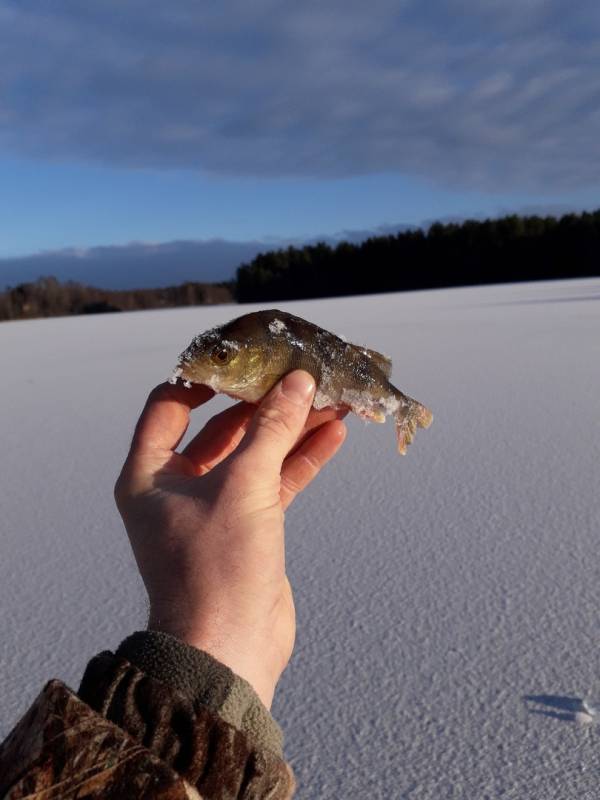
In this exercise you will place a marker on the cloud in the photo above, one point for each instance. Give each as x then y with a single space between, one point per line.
488 95
141 264
134 265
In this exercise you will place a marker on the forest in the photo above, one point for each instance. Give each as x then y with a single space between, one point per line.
505 250
48 297
509 249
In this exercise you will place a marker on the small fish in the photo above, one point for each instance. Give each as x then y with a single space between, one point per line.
246 357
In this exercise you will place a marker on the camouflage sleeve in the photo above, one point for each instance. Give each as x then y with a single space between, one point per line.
204 680
172 734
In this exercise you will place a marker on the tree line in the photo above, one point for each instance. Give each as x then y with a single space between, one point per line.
509 249
48 297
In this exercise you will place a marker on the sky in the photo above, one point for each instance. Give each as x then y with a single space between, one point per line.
132 126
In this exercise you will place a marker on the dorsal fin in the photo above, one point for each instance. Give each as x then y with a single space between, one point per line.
383 362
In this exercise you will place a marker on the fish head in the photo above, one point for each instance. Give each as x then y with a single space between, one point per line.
227 358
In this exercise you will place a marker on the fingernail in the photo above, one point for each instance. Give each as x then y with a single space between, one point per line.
298 387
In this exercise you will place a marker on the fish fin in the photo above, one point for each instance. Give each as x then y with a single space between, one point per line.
383 362
373 415
408 417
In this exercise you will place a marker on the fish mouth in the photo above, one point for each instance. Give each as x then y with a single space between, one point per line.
177 373
181 371
188 379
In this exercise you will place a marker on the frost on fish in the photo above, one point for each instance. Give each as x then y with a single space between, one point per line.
293 341
176 374
323 400
277 326
244 359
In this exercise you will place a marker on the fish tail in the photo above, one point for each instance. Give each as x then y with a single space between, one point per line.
410 416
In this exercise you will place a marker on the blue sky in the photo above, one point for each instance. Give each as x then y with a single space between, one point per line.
271 121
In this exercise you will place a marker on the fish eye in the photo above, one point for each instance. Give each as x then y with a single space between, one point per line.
221 355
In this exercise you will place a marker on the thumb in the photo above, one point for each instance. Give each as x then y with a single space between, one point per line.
279 421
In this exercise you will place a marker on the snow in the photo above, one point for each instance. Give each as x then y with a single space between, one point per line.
590 708
447 601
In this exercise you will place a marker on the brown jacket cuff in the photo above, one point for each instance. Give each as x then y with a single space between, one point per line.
211 754
203 680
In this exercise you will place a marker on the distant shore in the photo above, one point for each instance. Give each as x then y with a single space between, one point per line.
472 253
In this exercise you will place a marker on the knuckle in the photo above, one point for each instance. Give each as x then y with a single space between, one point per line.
291 485
311 463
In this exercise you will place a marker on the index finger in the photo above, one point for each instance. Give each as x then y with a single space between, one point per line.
166 417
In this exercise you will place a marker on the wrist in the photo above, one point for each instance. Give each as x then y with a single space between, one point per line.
245 667
248 668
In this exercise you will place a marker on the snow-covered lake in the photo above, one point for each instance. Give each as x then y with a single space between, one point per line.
448 602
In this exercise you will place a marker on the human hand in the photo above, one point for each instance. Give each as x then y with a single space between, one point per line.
207 525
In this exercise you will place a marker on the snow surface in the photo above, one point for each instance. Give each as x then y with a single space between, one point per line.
447 601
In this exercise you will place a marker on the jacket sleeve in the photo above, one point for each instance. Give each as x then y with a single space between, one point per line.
156 719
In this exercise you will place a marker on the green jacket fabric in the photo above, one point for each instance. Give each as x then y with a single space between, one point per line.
155 719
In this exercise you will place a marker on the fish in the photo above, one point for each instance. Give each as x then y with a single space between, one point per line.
247 356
